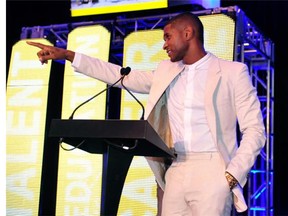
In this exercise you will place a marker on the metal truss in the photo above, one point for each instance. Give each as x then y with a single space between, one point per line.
251 47
257 51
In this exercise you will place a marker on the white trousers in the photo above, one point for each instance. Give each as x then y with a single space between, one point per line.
196 186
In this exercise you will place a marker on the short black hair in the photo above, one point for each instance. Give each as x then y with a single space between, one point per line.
193 20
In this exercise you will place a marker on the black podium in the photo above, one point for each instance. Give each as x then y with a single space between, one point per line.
118 141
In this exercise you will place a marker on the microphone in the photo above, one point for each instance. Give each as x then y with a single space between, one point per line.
126 71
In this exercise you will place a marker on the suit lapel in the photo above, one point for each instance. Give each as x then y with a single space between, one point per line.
166 78
212 84
163 80
157 112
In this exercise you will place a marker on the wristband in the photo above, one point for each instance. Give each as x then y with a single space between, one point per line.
231 180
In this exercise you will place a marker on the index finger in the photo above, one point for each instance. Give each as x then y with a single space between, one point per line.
39 45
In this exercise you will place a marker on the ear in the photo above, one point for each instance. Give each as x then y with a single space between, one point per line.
189 32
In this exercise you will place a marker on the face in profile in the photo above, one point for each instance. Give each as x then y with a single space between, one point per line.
175 42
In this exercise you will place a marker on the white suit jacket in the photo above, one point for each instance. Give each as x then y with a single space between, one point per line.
229 97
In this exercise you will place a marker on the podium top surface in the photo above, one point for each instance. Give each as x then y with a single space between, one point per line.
135 137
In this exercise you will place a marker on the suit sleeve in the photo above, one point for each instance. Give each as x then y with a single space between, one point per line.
137 80
251 127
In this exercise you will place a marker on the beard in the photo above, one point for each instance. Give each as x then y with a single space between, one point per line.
175 58
179 53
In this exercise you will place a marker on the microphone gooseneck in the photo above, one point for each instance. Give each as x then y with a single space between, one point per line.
143 110
121 78
72 115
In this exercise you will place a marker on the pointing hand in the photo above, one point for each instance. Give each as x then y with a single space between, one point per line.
51 53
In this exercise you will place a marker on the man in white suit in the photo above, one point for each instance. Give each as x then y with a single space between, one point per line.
195 101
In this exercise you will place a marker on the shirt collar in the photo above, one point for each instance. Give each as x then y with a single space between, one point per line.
201 63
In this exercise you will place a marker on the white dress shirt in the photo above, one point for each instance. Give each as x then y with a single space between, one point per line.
189 127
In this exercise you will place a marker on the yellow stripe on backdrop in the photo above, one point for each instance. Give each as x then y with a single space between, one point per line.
219 35
26 103
142 50
80 173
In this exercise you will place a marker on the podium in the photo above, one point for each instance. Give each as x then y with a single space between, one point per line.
118 141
